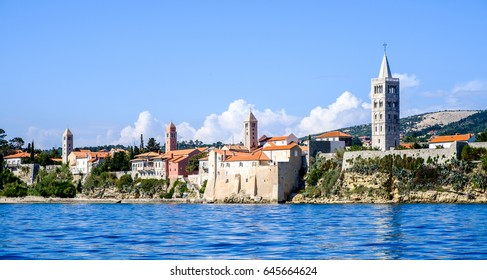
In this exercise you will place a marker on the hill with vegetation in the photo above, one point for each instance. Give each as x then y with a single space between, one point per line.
421 127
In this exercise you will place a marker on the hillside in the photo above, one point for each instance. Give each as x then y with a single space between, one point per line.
440 123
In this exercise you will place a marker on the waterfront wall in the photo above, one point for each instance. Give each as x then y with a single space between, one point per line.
442 155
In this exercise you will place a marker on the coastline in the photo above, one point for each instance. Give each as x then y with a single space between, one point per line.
425 198
85 200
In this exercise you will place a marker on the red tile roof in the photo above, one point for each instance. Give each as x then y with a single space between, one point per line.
451 138
18 155
407 145
278 138
277 148
256 156
334 134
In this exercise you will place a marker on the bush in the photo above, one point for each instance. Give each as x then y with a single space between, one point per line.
63 189
471 153
125 183
203 186
15 189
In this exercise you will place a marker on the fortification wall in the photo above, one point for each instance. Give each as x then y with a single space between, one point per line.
442 155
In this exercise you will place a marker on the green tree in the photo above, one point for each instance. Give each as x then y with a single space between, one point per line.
119 162
142 143
153 145
125 183
194 162
3 143
32 152
16 143
482 137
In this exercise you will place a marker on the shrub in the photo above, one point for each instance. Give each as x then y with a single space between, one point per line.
125 183
203 186
15 189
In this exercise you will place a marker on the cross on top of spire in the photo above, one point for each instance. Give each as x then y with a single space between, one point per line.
385 47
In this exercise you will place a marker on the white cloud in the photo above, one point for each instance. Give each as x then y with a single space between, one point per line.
462 97
345 111
407 80
147 125
472 87
228 126
185 131
43 138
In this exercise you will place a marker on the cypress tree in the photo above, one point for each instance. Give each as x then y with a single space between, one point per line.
32 152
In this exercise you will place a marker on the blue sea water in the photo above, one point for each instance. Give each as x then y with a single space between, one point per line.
211 231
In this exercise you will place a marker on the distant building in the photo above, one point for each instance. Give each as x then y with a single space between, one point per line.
270 172
16 159
83 161
385 108
335 136
67 145
162 166
280 140
250 132
235 148
171 138
447 140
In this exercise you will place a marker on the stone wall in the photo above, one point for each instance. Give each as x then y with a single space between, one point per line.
26 172
273 183
442 155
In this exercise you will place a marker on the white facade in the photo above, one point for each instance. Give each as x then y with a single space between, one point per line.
81 166
13 161
385 109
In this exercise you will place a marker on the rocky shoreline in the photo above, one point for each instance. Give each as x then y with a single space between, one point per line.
87 200
413 197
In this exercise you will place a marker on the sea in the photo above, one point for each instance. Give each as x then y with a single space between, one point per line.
248 232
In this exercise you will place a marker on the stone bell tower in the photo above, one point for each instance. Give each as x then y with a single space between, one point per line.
385 108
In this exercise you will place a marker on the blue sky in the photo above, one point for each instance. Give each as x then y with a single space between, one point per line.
111 70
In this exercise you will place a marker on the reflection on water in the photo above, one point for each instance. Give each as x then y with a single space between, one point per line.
187 231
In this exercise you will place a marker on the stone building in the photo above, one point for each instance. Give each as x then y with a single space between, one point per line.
250 132
267 173
67 145
385 108
171 138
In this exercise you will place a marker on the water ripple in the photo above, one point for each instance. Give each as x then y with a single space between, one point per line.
188 231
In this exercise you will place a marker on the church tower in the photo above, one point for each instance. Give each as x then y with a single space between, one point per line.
385 108
171 138
67 145
250 130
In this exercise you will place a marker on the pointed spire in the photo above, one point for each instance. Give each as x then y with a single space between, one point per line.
385 71
67 132
251 118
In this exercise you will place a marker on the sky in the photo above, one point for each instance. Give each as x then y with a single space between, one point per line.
112 70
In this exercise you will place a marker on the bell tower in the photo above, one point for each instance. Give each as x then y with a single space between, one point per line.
250 132
385 108
171 138
67 147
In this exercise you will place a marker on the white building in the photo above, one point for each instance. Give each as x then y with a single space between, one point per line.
447 140
16 159
83 161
